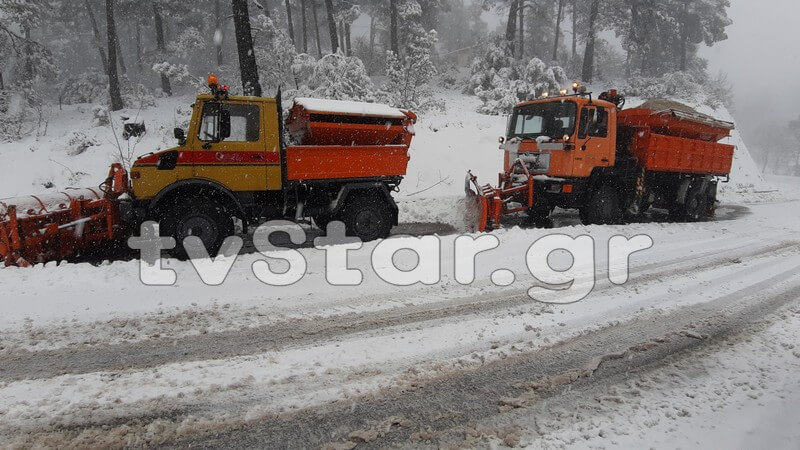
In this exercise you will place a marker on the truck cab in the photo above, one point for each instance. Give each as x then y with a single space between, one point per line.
566 142
568 136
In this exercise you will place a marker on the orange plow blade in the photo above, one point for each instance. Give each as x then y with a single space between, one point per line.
486 205
37 229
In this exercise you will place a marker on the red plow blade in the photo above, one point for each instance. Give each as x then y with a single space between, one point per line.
37 229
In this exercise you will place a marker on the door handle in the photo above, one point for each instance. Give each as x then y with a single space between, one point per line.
257 156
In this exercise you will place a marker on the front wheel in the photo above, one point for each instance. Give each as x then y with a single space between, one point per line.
603 207
367 217
208 221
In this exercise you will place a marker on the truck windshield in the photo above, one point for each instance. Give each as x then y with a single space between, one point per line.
551 119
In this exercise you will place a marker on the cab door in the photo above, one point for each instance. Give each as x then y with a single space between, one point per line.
595 140
232 140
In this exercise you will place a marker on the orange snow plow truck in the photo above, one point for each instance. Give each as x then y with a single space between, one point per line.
339 161
572 151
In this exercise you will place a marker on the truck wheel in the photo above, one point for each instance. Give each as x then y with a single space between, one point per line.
603 207
695 206
322 221
208 221
540 216
367 217
711 201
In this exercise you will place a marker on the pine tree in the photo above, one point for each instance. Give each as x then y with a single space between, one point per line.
113 78
244 44
588 55
332 25
161 45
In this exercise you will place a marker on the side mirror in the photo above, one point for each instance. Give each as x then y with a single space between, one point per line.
180 135
224 124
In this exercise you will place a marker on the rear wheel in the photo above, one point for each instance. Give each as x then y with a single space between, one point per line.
603 207
206 220
322 221
695 205
367 217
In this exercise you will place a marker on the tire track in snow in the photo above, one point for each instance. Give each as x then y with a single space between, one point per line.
446 406
23 364
454 399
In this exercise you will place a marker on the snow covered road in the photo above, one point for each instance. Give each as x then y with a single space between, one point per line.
269 366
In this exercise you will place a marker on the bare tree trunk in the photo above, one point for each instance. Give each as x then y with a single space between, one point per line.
218 33
394 39
371 35
588 55
332 26
574 29
684 35
522 29
558 29
28 54
289 18
511 27
632 36
121 59
138 45
161 46
340 33
305 27
97 38
347 39
113 78
316 28
244 44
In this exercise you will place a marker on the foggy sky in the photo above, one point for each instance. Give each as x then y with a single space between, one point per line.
762 60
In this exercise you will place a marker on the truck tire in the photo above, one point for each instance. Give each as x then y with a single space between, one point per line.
322 221
208 221
695 205
603 207
367 217
711 200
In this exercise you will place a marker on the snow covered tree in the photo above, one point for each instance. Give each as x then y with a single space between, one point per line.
413 67
275 52
501 82
334 76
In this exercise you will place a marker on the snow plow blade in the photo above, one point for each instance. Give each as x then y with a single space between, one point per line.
38 229
486 205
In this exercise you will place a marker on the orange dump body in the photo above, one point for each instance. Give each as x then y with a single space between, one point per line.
347 140
676 141
344 123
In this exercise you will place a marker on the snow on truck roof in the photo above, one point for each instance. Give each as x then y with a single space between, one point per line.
348 107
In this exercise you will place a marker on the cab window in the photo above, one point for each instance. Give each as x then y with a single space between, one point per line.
551 119
599 125
594 122
244 123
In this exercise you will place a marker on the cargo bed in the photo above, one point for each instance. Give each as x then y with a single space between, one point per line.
674 140
347 140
